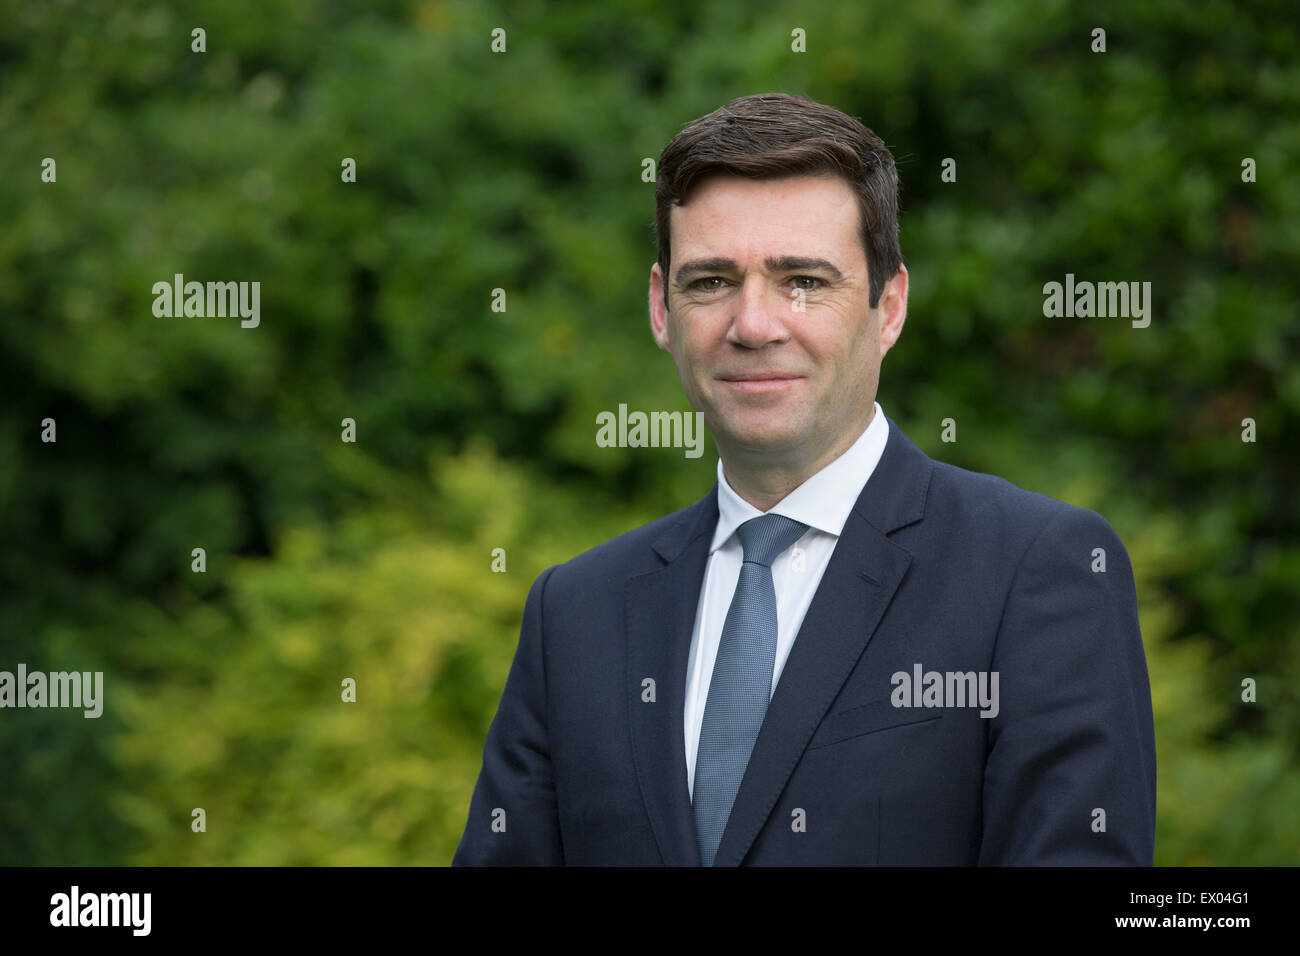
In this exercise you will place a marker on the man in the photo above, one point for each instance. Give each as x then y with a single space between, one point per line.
845 653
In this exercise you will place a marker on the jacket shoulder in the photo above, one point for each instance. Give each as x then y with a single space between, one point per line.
958 494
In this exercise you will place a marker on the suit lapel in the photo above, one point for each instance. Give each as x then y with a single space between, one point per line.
860 580
660 615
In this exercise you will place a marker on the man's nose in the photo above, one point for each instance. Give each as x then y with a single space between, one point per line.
758 319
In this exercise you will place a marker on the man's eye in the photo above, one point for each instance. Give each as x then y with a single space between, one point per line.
698 283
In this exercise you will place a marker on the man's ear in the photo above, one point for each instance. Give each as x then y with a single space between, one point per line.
658 312
893 310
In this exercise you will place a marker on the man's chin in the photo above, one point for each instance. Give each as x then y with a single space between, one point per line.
759 439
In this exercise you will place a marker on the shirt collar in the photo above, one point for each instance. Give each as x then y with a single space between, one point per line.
824 500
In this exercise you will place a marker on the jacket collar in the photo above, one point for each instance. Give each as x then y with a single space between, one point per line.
859 582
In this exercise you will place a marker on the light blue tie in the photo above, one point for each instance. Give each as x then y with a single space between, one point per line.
741 685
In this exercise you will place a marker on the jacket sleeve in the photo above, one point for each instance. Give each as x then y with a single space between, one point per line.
512 813
1070 771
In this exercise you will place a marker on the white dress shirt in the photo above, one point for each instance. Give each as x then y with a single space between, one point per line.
823 503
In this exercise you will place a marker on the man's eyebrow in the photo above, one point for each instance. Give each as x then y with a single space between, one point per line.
797 263
774 264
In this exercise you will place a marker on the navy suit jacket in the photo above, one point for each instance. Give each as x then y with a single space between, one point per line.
936 566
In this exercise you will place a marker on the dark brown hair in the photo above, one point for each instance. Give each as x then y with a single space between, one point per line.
772 135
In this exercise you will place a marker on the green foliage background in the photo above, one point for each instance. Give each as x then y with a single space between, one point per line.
475 428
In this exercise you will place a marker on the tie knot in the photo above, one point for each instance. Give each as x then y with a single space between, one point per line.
765 537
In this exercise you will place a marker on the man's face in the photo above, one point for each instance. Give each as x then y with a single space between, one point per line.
741 248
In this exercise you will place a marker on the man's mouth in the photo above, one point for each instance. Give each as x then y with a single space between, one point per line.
761 381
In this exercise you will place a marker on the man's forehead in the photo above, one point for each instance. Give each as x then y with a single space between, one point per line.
723 178
735 196
768 221
720 188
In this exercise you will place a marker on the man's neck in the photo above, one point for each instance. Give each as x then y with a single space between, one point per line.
763 482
